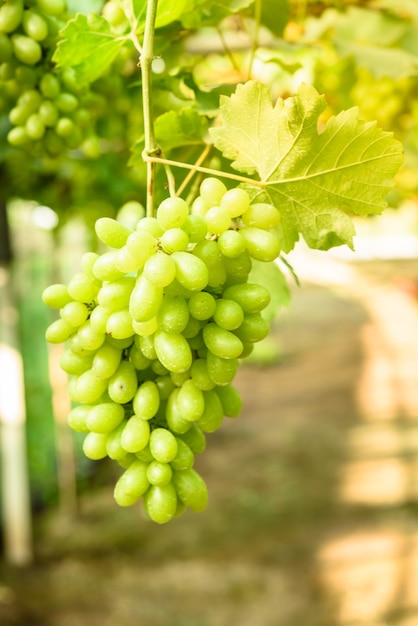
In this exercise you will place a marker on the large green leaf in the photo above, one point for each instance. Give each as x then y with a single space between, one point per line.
314 173
88 45
180 128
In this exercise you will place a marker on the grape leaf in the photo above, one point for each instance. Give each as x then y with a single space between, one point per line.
88 45
180 128
314 173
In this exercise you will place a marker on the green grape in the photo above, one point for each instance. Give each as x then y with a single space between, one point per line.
49 86
160 503
145 455
191 489
77 418
67 103
202 305
6 51
105 417
192 328
158 368
66 128
56 296
191 272
106 361
34 126
52 7
195 439
114 447
145 329
145 301
11 14
231 244
141 244
138 359
94 446
34 25
88 337
75 364
115 295
19 115
48 113
228 314
126 262
150 225
82 288
160 269
200 375
59 331
132 484
173 315
195 227
163 445
123 384
175 420
212 417
99 317
159 473
130 213
254 328
217 220
174 240
119 324
230 399
173 351
237 268
26 49
262 245
172 213
208 251
262 215
88 388
135 435
111 232
221 342
165 386
17 136
199 207
190 401
147 347
105 267
221 371
251 297
184 458
146 401
75 313
235 201
212 190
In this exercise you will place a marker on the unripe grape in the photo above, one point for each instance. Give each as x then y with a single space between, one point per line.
123 384
49 86
172 213
59 331
106 361
159 473
231 243
77 418
173 315
262 245
212 417
208 251
184 458
35 128
75 313
195 439
174 240
191 272
175 420
212 190
145 329
105 417
200 375
88 337
160 503
115 295
19 115
251 297
195 227
262 215
191 489
254 328
163 445
230 399
145 300
141 244
17 136
26 49
238 268
82 288
138 359
221 342
88 388
150 225
165 386
11 14
6 51
51 7
228 314
202 305
119 324
122 344
94 446
130 213
99 317
136 434
217 219
75 364
192 328
173 351
56 296
65 127
67 103
146 401
34 25
111 232
146 345
190 401
132 484
48 113
235 201
114 448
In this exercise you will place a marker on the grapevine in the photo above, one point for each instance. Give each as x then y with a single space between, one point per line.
158 322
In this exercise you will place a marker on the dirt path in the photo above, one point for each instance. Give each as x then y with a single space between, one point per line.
313 517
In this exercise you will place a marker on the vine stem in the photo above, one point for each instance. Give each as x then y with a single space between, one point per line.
205 170
145 61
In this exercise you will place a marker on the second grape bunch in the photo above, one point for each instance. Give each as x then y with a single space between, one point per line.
155 329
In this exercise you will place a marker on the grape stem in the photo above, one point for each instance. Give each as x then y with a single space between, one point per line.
147 157
145 61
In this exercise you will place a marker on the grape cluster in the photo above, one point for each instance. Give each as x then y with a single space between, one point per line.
155 328
48 110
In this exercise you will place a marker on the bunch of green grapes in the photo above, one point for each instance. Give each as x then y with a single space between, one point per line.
48 111
156 327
